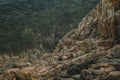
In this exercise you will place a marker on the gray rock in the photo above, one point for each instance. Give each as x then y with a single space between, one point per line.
67 79
76 76
74 69
58 78
63 74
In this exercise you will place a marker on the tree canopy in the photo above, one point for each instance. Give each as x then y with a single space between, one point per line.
24 22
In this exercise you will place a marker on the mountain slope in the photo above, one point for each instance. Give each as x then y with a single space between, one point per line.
95 42
38 22
89 52
99 25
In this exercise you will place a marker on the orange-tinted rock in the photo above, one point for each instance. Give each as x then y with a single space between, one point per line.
17 74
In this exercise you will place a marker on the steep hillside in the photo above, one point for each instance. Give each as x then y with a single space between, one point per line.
99 28
89 52
26 24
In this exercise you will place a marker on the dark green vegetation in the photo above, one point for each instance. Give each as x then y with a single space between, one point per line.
24 24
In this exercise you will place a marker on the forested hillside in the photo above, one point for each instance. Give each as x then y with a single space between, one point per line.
89 52
27 24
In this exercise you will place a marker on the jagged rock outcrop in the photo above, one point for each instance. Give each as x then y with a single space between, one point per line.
108 24
105 68
99 28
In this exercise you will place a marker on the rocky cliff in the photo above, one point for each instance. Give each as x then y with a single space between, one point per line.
97 33
100 27
89 52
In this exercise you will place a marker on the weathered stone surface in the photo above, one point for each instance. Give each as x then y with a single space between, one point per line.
103 21
104 67
63 74
115 75
68 79
76 76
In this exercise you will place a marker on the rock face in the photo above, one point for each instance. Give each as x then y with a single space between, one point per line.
99 28
108 24
105 68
